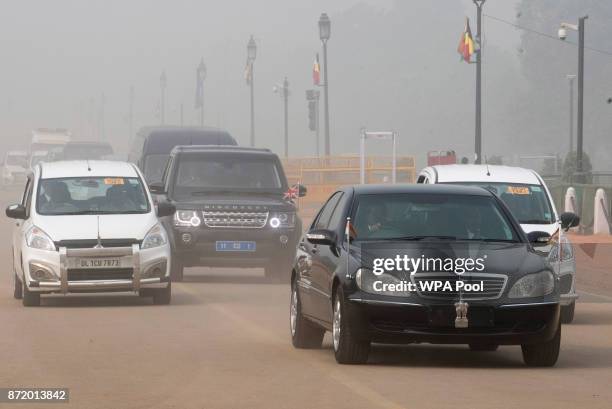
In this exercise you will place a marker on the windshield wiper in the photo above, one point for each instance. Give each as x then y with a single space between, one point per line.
96 212
417 238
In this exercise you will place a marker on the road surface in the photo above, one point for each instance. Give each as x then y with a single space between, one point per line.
224 343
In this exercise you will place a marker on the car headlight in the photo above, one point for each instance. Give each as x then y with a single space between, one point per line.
155 237
187 218
37 239
384 284
533 285
282 219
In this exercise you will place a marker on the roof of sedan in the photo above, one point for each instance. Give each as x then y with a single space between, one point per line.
85 168
421 189
485 173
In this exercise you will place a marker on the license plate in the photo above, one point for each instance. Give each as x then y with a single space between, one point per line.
235 246
98 263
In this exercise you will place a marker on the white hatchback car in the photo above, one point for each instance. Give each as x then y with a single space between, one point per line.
529 199
89 226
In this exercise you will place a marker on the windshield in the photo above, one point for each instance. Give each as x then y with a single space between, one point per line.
16 160
154 167
198 173
528 203
87 195
409 216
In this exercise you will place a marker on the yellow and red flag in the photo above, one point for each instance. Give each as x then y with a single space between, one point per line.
316 71
466 44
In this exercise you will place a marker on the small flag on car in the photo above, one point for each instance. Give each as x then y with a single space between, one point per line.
291 193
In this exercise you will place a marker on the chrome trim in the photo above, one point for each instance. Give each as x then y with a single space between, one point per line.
99 284
307 286
463 277
569 296
241 218
381 302
535 304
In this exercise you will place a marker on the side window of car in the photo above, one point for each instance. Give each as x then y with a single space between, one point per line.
423 180
336 218
324 216
27 197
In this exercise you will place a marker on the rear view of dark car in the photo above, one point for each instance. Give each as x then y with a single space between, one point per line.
235 209
152 146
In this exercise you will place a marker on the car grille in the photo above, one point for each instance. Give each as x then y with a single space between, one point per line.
100 274
86 244
565 284
229 219
494 285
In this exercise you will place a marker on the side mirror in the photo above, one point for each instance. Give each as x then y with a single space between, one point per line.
323 237
538 238
165 209
301 190
16 211
569 220
157 188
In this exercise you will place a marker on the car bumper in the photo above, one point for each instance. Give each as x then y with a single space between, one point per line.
197 247
505 324
149 268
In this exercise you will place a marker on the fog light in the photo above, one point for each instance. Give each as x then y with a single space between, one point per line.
41 273
186 238
284 239
156 270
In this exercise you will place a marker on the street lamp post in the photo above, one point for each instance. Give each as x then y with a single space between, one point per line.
478 127
580 119
283 91
201 76
571 78
324 35
162 84
251 55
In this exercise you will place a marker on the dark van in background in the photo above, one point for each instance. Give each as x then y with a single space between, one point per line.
152 145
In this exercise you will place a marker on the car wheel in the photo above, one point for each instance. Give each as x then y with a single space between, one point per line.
162 296
347 348
483 347
30 299
543 354
176 270
567 313
304 333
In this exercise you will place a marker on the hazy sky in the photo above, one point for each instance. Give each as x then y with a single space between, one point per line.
62 58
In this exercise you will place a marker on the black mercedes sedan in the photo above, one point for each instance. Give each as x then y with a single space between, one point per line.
399 264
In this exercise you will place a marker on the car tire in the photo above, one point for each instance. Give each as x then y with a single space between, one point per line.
162 296
543 354
176 270
30 299
304 334
347 348
567 313
18 290
483 347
